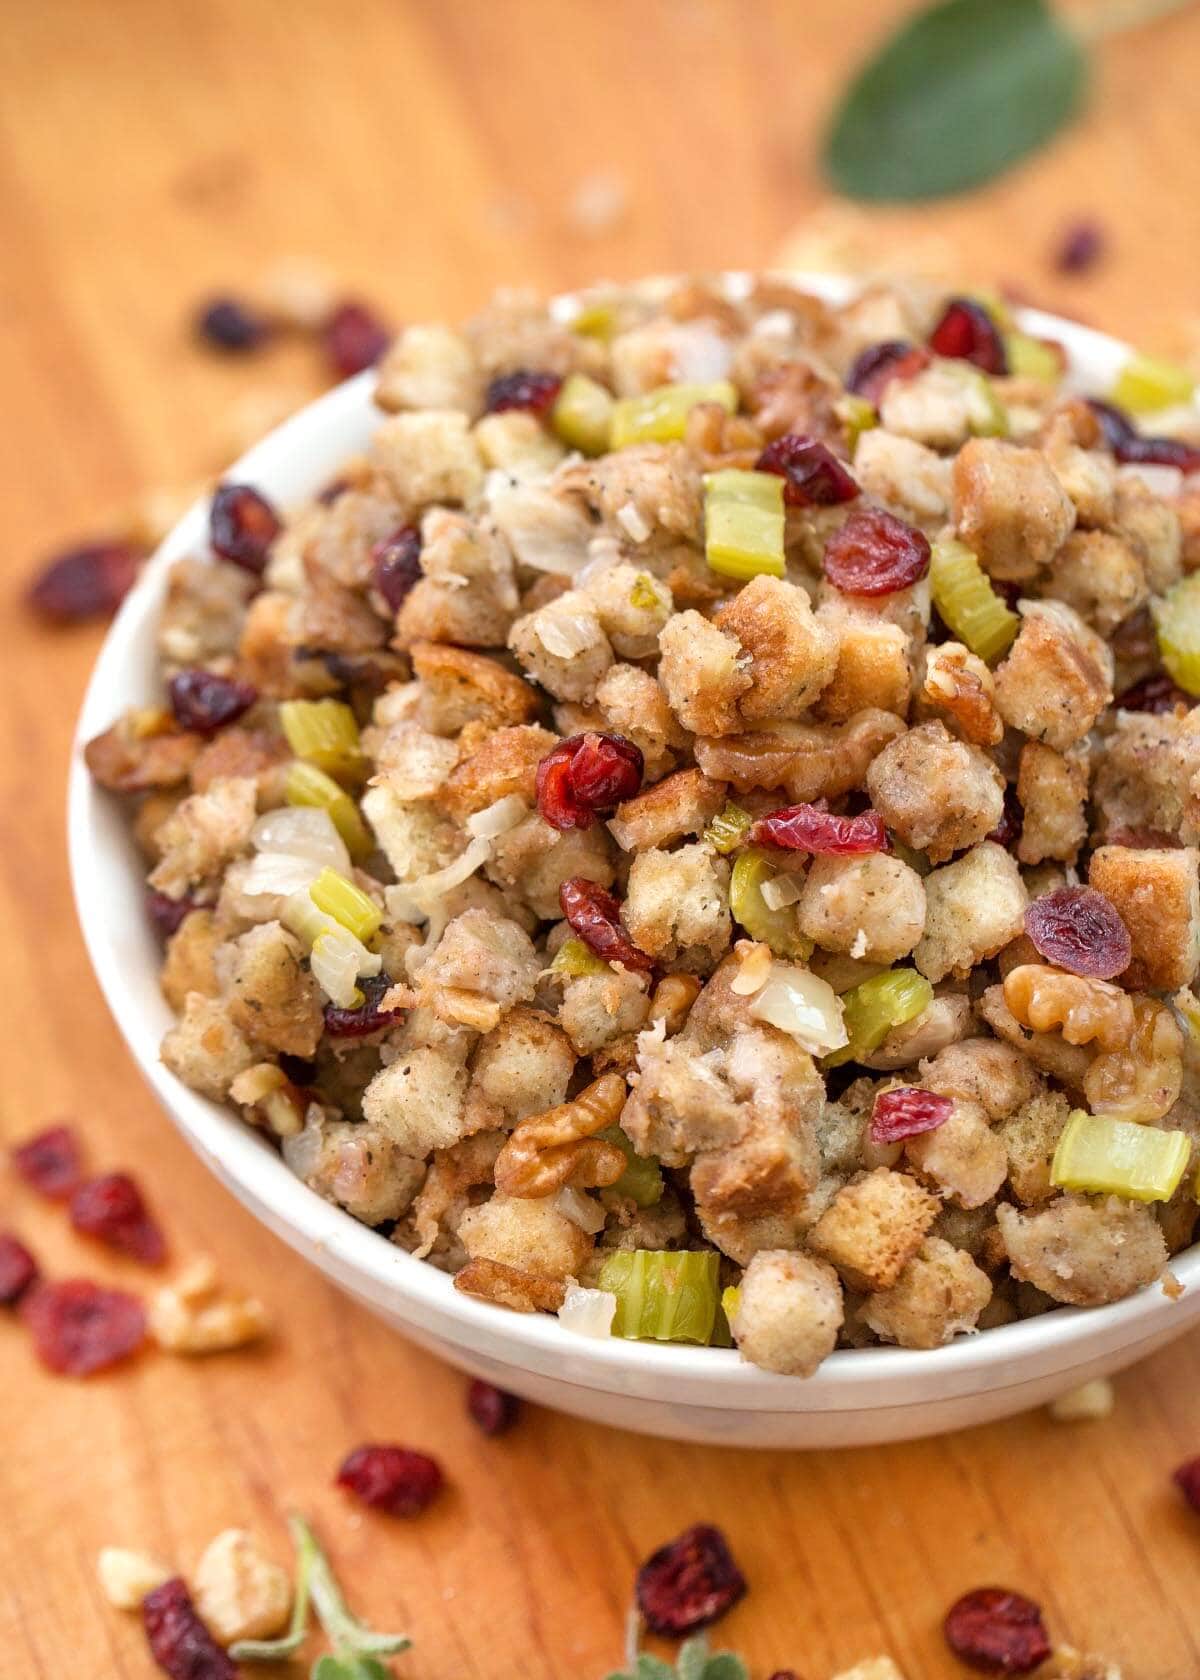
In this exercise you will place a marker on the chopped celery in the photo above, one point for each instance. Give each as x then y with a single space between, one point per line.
662 1296
776 928
644 596
582 414
728 828
968 603
574 958
857 415
876 1006
1177 626
306 785
661 416
642 1180
595 319
995 306
730 1301
301 917
347 904
744 523
335 967
1146 383
324 732
987 415
909 855
1033 358
1107 1157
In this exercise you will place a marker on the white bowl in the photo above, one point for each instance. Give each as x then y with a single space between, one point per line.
695 1394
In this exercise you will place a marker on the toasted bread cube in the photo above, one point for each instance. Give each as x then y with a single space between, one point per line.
418 1099
188 964
516 442
1084 1251
982 1070
872 668
632 607
467 593
963 1157
633 704
872 906
1153 529
677 906
873 1227
1052 789
938 794
524 1065
973 907
1101 577
1057 678
272 996
598 1009
562 647
429 456
704 672
789 1312
684 803
484 953
205 1049
1149 766
792 652
528 1233
939 1295
1158 896
1030 1137
429 366
910 480
1009 508
505 762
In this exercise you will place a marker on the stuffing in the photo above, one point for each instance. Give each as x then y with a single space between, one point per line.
682 804
532 860
457 687
1148 777
792 654
272 996
789 1312
1088 475
632 703
202 612
1057 678
962 1158
236 753
1048 1052
517 443
1084 1251
939 407
358 1165
946 1021
939 1295
872 906
1187 510
1101 577
1052 791
1153 529
562 647
909 480
415 837
429 366
808 761
958 684
418 1100
982 1070
632 607
598 1009
873 1227
429 457
524 1065
938 794
1030 1137
333 618
704 673
529 1234
504 763
657 486
1157 894
677 906
466 593
973 907
410 762
549 533
189 965
680 1102
204 1048
141 753
873 666
1009 508
203 834
480 952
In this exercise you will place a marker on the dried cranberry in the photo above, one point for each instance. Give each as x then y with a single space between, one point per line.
812 474
1130 447
527 389
396 565
1155 693
806 828
18 1269
874 368
205 702
1187 1480
242 525
689 1583
165 913
997 1631
1078 929
1080 248
585 776
874 553
78 1328
179 1641
785 1674
51 1162
967 333
906 1112
227 324
595 916
493 1409
391 1479
368 1017
1117 427
86 582
1012 820
112 1209
354 338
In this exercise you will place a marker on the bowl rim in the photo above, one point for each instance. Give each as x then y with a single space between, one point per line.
257 1174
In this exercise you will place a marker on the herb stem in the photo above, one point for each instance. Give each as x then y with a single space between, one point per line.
1114 17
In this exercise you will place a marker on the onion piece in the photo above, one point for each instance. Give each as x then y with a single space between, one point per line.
498 817
797 1002
414 900
588 1312
581 1210
546 532
780 891
303 831
278 874
337 960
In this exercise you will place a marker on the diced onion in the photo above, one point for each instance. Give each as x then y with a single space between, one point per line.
498 817
797 1002
278 873
588 1312
413 900
632 522
545 531
581 1210
336 962
780 891
567 635
303 831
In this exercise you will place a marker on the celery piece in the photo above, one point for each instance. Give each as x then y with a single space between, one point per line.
306 785
642 1180
644 596
744 523
662 1296
1107 1157
1032 358
301 917
730 1301
995 305
776 928
728 828
986 414
873 1008
1177 627
661 416
967 602
582 415
857 415
594 319
324 732
574 958
335 967
347 904
1146 383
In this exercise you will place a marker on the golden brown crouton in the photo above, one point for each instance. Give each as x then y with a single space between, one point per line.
1087 474
205 1049
962 1158
938 794
910 480
633 704
939 1294
410 761
1158 897
334 618
704 672
1152 528
598 1009
1084 1251
1101 577
873 1227
429 457
132 758
267 644
272 996
203 834
429 366
504 763
632 607
1148 776
973 907
871 906
872 664
1030 1137
789 1312
1057 678
357 1165
996 1076
483 953
532 861
1009 508
680 1103
792 654
562 647
418 1100
527 1233
808 760
188 965
677 906
245 752
1052 789
680 804
958 684
202 613
523 1065
413 835
458 687
657 486
467 593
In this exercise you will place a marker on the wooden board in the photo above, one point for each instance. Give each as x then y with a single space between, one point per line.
150 153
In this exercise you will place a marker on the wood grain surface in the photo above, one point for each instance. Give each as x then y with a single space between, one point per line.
152 151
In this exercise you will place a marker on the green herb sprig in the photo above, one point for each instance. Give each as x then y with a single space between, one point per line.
693 1661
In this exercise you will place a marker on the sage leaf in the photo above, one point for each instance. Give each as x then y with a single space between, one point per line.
960 93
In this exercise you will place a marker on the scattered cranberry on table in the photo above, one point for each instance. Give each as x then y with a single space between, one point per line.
18 1269
689 1583
51 1162
78 1327
494 1410
392 1479
86 582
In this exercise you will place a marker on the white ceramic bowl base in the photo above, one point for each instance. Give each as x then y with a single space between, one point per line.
694 1394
